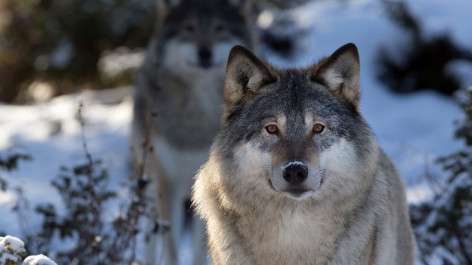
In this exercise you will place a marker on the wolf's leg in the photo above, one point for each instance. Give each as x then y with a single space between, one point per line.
144 169
178 220
165 201
200 252
151 237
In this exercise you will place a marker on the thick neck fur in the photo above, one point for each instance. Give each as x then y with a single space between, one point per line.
184 104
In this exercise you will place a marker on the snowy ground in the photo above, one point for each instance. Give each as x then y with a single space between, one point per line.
413 129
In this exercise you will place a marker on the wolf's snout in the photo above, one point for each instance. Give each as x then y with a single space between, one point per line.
295 174
205 57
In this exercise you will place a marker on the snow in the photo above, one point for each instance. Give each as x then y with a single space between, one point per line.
452 18
11 243
120 60
414 130
7 257
34 130
10 249
38 260
292 163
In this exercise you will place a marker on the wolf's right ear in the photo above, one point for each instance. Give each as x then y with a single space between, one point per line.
163 6
245 75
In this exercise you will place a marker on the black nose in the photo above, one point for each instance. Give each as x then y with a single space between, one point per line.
295 173
204 55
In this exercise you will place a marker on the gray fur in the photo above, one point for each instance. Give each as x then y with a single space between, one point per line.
353 207
183 88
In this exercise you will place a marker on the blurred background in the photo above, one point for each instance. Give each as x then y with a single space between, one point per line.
63 45
416 61
66 46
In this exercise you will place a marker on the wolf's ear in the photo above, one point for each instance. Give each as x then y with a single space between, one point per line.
163 6
245 7
340 73
245 75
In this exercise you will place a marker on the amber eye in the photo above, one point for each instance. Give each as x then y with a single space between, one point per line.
272 128
317 128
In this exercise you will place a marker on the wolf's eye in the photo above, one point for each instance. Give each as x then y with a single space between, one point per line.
220 27
317 128
189 28
272 128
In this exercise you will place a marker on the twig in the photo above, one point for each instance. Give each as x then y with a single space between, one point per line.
88 173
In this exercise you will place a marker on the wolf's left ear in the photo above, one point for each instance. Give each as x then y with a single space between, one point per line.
245 75
246 7
340 73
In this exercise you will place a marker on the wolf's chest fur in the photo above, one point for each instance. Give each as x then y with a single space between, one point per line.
189 111
292 237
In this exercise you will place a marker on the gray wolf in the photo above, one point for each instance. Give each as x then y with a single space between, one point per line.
295 175
177 109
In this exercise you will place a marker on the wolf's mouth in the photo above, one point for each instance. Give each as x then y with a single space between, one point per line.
296 192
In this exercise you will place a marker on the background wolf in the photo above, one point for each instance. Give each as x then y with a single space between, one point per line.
181 83
295 175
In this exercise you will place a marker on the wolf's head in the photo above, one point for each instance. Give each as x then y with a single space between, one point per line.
197 35
295 133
